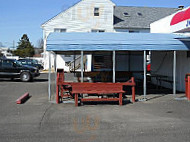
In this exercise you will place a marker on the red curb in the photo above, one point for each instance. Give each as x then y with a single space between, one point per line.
22 98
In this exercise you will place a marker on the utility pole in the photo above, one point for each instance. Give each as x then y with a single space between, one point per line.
13 44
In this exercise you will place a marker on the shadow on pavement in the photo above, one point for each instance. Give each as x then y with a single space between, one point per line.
18 80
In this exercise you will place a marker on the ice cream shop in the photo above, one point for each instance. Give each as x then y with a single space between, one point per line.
177 23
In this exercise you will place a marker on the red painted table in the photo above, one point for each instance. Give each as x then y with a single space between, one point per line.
77 88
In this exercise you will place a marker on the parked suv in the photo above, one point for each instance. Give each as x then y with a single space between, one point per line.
31 62
10 68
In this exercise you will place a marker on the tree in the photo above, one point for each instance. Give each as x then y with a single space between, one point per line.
40 43
24 48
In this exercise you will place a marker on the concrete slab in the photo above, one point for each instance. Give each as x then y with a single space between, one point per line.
160 118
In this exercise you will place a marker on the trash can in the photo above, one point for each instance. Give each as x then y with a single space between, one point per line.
187 86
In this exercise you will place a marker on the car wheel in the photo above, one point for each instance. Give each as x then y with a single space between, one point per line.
25 77
31 79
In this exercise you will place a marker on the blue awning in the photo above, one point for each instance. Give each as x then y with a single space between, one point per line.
58 42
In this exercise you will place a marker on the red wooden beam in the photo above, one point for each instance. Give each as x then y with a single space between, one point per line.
76 100
120 99
57 94
133 89
57 88
98 99
23 98
59 81
188 88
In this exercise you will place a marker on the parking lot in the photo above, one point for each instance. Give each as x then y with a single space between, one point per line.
160 118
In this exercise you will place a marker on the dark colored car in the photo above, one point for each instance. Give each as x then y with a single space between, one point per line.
10 68
31 62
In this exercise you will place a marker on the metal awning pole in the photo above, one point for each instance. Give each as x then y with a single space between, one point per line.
74 62
55 61
55 69
82 66
113 66
49 78
144 75
129 61
174 74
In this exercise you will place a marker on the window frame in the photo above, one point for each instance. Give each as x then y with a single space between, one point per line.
96 11
60 30
97 31
10 65
126 14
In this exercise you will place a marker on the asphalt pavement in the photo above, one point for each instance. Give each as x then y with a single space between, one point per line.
160 118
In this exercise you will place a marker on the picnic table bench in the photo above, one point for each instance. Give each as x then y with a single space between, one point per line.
97 88
75 89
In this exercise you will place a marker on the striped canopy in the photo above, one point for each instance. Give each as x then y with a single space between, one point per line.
66 42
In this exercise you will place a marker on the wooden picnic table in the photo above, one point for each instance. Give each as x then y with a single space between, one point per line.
75 89
99 89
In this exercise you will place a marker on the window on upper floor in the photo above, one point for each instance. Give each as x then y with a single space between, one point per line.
139 14
132 31
126 14
97 31
96 11
58 30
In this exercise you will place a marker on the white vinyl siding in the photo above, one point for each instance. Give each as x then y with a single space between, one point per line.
162 63
80 18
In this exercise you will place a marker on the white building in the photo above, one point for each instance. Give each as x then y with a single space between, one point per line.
179 23
100 16
85 16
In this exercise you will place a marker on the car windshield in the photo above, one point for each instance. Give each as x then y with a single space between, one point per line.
28 61
35 61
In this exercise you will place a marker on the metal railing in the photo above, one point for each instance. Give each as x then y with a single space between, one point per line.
76 63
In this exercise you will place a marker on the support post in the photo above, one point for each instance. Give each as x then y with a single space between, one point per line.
76 99
56 79
133 90
174 74
74 62
82 66
113 66
49 78
57 89
144 75
129 61
120 99
188 88
55 69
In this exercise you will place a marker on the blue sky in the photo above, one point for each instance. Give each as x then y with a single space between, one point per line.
18 17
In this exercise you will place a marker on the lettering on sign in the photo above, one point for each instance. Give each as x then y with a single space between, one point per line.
188 23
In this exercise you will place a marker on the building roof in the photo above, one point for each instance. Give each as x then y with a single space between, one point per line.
70 42
139 17
60 13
